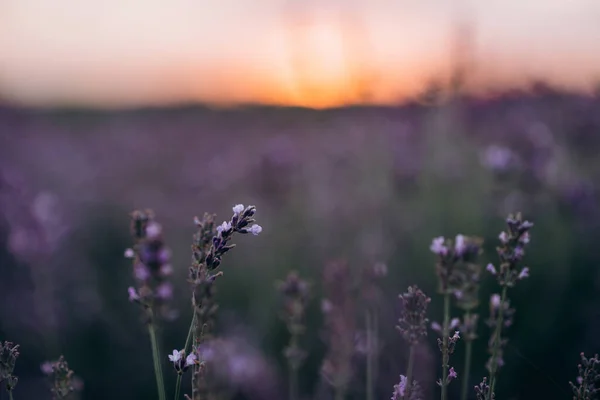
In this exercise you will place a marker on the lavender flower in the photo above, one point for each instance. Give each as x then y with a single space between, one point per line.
9 352
587 381
209 244
458 277
482 391
295 292
453 258
63 380
404 391
180 362
340 323
510 253
413 328
151 268
413 322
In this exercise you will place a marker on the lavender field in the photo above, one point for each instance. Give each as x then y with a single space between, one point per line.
370 186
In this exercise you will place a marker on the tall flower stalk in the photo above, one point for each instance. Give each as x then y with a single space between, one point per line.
451 257
467 299
339 309
587 387
151 270
295 292
209 245
371 295
9 352
412 325
510 253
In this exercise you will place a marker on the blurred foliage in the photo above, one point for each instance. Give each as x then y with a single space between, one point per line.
366 185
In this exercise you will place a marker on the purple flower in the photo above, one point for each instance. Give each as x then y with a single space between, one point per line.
129 253
454 323
190 360
452 374
133 295
166 270
490 267
141 272
225 226
46 368
460 244
524 273
237 209
176 356
255 229
153 230
437 246
495 301
399 389
164 291
503 237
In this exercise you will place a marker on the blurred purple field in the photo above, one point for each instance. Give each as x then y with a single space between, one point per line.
365 184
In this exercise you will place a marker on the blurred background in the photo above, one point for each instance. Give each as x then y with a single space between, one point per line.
360 130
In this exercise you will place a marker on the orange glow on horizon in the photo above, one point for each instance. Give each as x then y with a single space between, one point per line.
285 52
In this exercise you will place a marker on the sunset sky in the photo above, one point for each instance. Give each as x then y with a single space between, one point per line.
114 53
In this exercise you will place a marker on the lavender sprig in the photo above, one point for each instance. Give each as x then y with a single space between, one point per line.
510 252
371 296
295 292
451 282
339 309
587 381
209 245
151 269
63 381
403 391
9 352
412 325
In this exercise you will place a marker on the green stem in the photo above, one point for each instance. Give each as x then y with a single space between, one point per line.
293 383
369 329
189 335
375 350
10 395
409 371
339 393
465 382
445 353
496 343
157 363
177 387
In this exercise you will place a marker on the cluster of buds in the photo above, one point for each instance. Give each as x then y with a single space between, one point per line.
63 382
452 257
413 321
9 352
403 392
511 251
587 381
339 308
452 340
242 222
151 265
482 391
295 292
497 306
181 362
